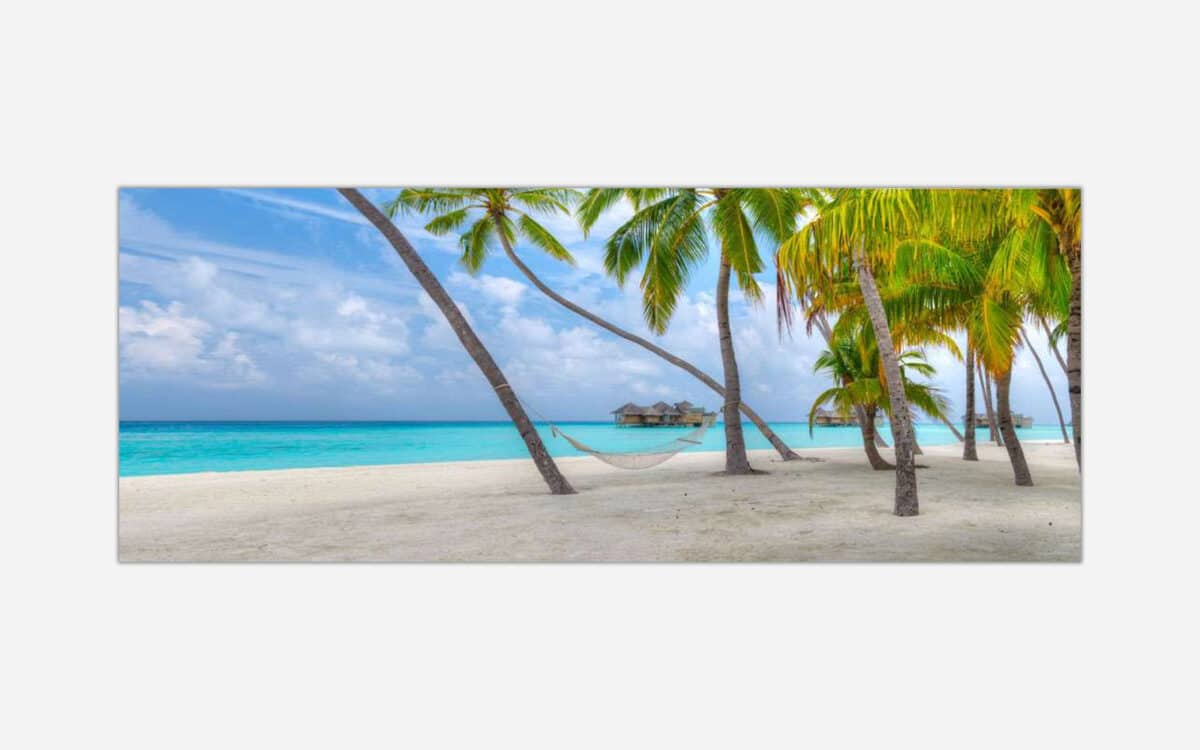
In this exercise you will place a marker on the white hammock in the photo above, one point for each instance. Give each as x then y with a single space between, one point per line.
642 459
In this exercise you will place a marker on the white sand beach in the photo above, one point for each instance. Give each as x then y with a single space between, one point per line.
680 511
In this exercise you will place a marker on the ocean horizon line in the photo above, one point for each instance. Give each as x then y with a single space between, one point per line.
186 446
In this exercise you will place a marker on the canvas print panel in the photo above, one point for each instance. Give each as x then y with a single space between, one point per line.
644 374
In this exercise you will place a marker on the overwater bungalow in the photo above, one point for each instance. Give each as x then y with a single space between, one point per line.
1020 421
661 414
826 418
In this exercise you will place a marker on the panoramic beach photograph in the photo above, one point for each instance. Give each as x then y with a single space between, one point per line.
600 374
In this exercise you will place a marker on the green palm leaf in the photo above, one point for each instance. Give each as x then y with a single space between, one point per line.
476 243
540 237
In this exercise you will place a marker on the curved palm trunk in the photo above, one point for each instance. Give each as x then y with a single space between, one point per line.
969 452
985 383
784 451
906 503
533 442
1015 455
1049 386
1075 351
878 463
736 461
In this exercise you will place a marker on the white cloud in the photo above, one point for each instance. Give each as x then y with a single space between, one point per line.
154 338
379 373
224 326
157 340
499 289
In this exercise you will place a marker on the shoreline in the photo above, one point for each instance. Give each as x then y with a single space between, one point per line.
499 510
768 454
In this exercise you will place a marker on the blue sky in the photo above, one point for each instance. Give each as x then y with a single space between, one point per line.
286 304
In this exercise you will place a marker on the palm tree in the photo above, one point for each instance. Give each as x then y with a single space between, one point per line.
854 364
814 318
1047 233
953 269
859 229
667 234
488 214
991 303
1043 282
537 450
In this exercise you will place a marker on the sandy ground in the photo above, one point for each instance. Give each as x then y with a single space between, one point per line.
680 511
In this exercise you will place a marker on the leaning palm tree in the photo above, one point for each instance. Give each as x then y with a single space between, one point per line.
483 359
507 215
668 237
860 228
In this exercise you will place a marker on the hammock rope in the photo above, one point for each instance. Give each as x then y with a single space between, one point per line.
645 458
635 459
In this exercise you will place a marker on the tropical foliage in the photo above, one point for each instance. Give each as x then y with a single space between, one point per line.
487 214
898 271
667 237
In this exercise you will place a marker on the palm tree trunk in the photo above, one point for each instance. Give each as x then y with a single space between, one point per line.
906 502
1075 351
736 461
878 463
985 383
822 324
969 452
916 445
1015 455
1050 386
1053 347
784 451
533 442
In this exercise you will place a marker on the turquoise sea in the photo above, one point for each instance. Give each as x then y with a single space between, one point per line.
187 447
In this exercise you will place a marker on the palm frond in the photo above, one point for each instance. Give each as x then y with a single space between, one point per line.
448 222
476 243
736 235
546 201
542 238
429 200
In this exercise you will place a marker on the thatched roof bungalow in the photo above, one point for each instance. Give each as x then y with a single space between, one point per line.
660 414
826 418
1020 421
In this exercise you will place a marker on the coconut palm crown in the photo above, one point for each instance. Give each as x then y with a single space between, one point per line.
487 214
